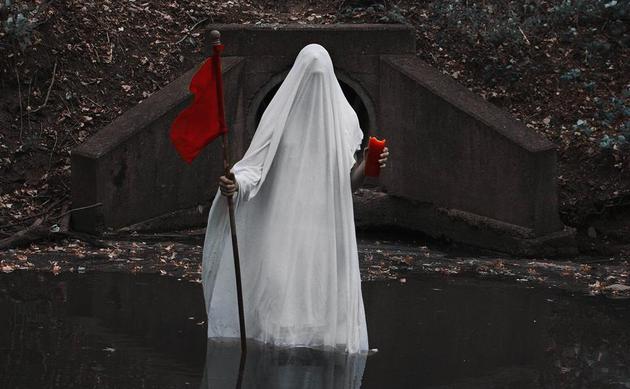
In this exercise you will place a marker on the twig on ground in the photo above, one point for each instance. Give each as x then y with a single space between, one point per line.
20 97
37 231
64 222
340 5
42 213
93 102
190 238
80 209
28 104
34 232
52 151
70 112
52 82
191 30
524 36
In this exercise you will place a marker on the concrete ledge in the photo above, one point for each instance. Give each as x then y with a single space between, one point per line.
339 39
377 210
173 221
132 169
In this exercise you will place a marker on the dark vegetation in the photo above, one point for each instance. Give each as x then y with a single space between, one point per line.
67 68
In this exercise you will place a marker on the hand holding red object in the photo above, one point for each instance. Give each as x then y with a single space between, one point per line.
375 149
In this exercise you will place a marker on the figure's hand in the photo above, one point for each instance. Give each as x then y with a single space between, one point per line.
228 185
382 160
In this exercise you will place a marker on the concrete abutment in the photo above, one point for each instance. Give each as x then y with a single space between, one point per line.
460 168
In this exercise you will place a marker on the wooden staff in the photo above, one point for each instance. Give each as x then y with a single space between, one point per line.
217 47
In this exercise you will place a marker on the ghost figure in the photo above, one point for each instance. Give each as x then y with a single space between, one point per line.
294 219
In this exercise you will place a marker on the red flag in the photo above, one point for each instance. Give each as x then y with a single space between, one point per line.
203 120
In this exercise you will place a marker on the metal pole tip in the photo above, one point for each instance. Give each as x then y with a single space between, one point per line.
215 37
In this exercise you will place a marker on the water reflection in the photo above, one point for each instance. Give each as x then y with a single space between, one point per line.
268 367
119 331
105 331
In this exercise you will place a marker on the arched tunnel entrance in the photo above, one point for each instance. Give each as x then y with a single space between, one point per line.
355 100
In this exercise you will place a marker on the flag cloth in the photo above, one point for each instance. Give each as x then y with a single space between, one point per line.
203 120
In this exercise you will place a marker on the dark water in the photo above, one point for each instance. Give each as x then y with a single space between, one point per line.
114 330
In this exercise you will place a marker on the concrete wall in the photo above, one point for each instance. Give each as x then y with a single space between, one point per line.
131 167
454 150
270 51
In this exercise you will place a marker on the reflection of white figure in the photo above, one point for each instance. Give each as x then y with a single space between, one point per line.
294 218
280 367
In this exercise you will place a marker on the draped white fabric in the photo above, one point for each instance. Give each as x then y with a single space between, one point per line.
294 220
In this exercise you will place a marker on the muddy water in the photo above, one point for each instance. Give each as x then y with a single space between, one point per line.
115 330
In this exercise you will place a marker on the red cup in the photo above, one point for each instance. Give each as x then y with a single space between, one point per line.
375 149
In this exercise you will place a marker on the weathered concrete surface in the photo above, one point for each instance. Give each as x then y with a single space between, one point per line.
131 167
455 150
270 50
460 167
339 39
377 210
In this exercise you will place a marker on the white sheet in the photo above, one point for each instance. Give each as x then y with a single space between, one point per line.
295 224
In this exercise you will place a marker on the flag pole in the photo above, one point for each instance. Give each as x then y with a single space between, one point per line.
217 47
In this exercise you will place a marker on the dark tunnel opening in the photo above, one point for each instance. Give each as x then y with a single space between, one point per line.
353 98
